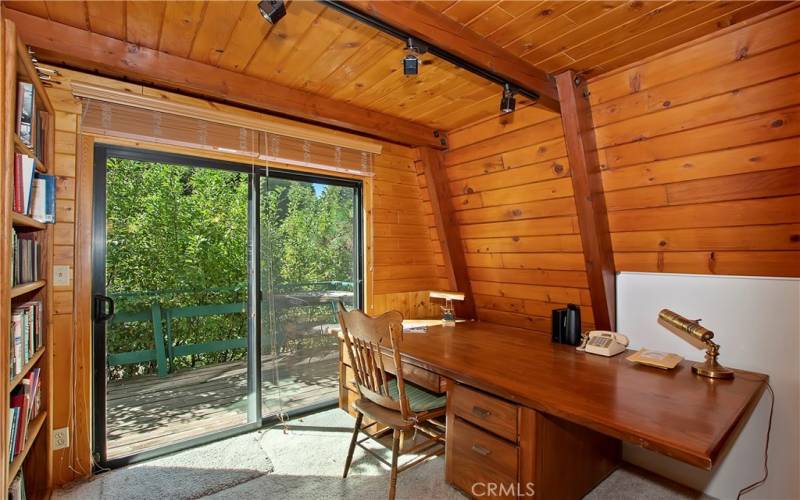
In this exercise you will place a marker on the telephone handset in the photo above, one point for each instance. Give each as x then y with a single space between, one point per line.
604 343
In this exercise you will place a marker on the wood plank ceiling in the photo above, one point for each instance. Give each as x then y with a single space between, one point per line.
319 50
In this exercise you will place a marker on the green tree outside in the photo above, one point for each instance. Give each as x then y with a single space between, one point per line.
177 235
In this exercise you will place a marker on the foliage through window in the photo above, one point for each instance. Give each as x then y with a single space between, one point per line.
177 241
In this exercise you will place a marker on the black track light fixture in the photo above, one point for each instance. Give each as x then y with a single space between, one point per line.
508 103
272 10
411 60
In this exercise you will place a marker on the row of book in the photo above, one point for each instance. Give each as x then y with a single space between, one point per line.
25 254
31 122
34 192
27 334
16 490
26 402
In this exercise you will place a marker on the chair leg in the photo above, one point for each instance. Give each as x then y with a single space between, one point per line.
359 417
395 452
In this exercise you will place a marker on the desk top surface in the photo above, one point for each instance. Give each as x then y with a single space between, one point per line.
675 412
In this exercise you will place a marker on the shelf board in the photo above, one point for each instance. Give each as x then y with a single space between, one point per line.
26 150
25 369
34 426
26 288
22 220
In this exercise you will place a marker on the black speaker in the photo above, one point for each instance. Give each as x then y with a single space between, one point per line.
567 325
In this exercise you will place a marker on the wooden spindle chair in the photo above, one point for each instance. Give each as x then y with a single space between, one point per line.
388 401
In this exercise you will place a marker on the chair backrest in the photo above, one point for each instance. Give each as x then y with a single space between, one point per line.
369 340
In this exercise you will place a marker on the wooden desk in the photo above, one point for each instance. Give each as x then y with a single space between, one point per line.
552 387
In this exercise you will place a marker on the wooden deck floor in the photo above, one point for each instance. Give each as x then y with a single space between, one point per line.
147 412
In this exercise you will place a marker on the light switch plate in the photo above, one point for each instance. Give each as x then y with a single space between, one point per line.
61 275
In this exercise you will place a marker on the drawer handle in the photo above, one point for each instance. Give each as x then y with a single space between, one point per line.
481 412
480 450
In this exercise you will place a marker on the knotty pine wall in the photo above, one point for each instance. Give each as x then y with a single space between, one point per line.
400 254
407 259
512 193
66 464
700 154
700 151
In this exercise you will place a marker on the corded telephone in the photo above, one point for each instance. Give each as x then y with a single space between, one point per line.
604 343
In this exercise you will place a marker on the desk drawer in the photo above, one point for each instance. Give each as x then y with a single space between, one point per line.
349 378
490 413
414 374
485 464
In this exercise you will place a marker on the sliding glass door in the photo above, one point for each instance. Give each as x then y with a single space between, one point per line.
171 264
310 261
214 287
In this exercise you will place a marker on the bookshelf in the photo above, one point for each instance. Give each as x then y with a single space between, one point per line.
34 458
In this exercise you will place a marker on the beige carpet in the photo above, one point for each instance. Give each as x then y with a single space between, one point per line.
308 455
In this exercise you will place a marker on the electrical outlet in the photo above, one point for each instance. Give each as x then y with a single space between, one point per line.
60 438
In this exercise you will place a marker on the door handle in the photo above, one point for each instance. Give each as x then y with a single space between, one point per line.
481 412
103 308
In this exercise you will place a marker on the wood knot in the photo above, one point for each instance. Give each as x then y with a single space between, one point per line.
741 53
468 190
635 83
546 12
515 238
666 104
558 168
516 212
794 238
776 123
754 159
662 243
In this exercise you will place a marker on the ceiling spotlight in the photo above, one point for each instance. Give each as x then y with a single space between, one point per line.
507 102
272 10
411 60
411 65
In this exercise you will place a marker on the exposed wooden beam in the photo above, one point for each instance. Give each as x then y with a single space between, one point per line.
576 119
62 44
447 228
426 24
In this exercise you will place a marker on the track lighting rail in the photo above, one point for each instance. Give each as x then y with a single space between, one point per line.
433 49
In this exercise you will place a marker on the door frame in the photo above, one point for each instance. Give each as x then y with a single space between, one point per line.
101 153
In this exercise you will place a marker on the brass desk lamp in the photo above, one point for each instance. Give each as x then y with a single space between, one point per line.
448 311
710 367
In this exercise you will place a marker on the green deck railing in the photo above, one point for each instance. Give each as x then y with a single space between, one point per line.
165 349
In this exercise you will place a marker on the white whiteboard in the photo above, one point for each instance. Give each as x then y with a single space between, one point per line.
757 323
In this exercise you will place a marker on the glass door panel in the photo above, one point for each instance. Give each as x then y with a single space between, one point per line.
309 262
175 264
